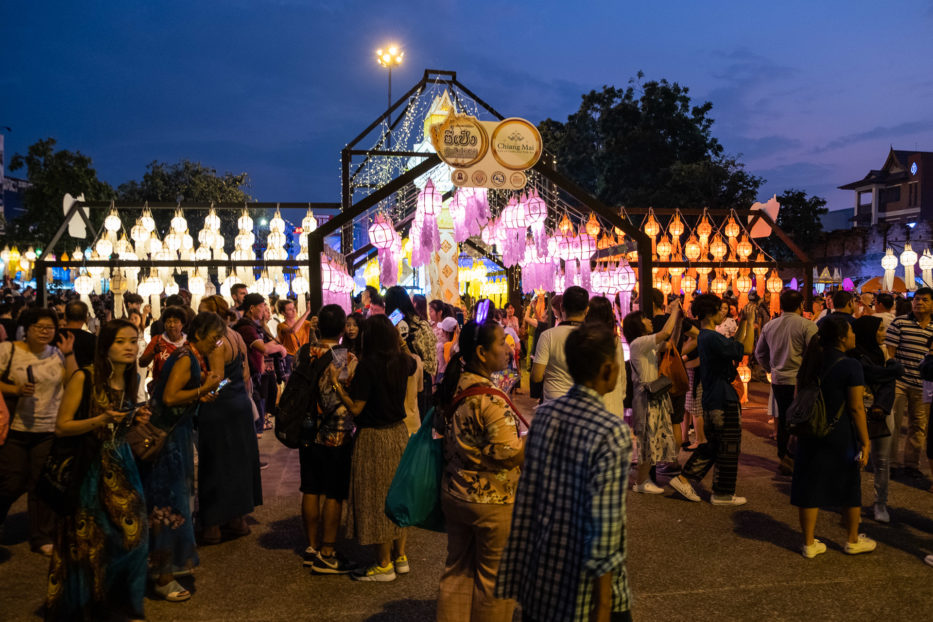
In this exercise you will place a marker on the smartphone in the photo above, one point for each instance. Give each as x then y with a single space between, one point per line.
30 376
395 317
220 386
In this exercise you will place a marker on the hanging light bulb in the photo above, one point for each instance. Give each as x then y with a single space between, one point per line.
276 223
179 224
212 221
244 222
112 221
147 220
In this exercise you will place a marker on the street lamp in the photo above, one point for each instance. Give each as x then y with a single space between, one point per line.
390 57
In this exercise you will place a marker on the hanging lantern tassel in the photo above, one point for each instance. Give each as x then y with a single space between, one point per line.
429 204
909 260
118 285
926 268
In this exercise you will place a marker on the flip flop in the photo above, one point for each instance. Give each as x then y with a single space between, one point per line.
172 591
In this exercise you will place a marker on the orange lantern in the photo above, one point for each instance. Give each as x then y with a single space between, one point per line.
743 284
704 229
732 228
692 249
775 284
652 228
565 225
719 286
744 248
676 227
592 226
717 248
664 248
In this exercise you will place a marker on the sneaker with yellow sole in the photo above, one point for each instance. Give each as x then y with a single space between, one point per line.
381 574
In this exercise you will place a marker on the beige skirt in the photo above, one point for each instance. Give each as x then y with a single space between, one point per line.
376 455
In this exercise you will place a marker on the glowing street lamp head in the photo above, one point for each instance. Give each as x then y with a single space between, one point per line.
390 57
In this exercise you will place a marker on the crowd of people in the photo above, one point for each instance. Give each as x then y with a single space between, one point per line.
137 401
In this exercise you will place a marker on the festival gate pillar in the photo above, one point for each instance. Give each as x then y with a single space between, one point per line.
443 280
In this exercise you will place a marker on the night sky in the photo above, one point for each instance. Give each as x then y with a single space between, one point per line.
809 94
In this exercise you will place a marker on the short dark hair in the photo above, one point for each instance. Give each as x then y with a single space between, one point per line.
281 304
31 315
791 300
587 349
76 311
331 321
175 300
924 291
705 305
132 299
885 300
633 326
174 312
237 287
575 300
657 298
842 298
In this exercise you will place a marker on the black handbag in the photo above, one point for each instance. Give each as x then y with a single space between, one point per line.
659 388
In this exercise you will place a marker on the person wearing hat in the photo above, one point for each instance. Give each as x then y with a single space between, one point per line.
450 332
261 349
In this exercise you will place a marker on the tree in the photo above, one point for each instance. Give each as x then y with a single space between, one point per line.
52 174
648 146
186 181
800 219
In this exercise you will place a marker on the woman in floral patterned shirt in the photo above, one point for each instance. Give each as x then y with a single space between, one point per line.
483 453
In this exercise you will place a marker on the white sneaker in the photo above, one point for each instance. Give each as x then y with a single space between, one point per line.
684 488
812 550
928 560
649 487
881 513
401 565
727 500
864 545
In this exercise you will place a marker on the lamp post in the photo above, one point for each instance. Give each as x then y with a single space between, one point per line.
389 57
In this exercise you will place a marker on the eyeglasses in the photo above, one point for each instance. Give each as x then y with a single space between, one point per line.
44 328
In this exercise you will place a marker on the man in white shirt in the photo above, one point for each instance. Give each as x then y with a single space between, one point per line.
550 363
884 308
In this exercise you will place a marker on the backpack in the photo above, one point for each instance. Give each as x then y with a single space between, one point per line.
807 416
296 420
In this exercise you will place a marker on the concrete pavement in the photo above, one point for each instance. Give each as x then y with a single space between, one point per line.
687 561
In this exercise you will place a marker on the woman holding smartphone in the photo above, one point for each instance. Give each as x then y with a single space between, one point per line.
99 561
176 396
229 485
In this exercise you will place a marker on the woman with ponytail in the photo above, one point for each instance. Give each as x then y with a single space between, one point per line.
827 470
483 453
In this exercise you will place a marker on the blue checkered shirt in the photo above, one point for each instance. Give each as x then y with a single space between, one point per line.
568 525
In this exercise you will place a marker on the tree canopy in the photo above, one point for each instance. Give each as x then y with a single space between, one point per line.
52 175
648 146
800 219
185 181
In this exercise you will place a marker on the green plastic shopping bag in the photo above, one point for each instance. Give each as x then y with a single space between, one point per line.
414 498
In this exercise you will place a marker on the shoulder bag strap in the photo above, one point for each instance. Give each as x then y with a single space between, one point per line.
479 389
9 364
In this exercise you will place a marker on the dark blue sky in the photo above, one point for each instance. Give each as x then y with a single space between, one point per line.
811 94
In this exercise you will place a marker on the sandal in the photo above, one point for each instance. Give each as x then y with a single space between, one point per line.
172 591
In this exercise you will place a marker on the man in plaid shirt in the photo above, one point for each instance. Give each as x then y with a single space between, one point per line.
565 558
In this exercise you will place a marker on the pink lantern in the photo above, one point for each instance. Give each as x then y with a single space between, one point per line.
535 209
587 247
430 200
381 232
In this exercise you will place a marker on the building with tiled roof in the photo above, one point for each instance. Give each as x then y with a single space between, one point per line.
900 191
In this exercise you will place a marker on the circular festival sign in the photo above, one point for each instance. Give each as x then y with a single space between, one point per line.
460 141
516 144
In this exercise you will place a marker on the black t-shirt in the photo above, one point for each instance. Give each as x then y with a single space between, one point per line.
85 343
382 386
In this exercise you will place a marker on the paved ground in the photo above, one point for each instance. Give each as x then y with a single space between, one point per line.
687 561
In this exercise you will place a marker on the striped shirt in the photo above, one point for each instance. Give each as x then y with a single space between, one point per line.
568 525
910 341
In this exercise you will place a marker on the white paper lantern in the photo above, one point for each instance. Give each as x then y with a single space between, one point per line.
148 221
277 224
112 222
212 221
244 222
308 223
104 248
179 224
281 288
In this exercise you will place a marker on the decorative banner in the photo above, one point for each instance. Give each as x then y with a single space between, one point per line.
464 143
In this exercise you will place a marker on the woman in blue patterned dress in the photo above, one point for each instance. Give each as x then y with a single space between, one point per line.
169 478
99 559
